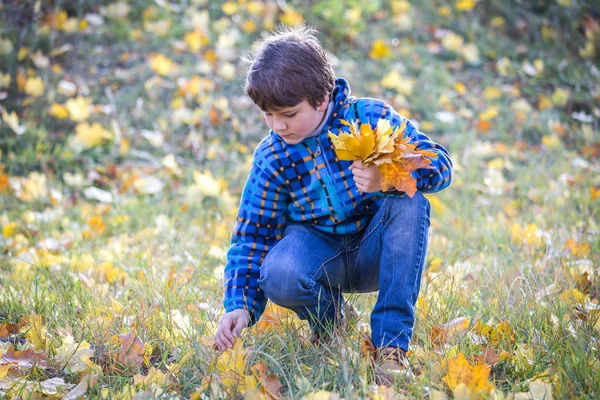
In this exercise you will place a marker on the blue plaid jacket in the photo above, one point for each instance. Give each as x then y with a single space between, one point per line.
307 183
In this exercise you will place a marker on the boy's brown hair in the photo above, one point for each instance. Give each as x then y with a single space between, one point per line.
289 67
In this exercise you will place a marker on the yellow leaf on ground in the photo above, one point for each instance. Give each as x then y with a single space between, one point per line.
75 356
161 64
231 366
58 111
88 136
35 86
229 7
154 376
79 108
30 189
12 120
291 17
379 50
492 93
572 297
321 395
465 5
463 378
577 249
560 97
86 382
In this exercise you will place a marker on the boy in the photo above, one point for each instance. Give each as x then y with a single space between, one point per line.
311 227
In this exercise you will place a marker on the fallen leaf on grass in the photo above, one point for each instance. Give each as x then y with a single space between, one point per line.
538 390
321 395
7 329
75 356
270 387
24 359
154 376
231 366
132 350
440 333
82 387
36 332
466 381
502 332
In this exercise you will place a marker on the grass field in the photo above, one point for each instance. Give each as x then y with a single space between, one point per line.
130 142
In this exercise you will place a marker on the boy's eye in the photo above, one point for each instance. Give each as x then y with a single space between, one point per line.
290 115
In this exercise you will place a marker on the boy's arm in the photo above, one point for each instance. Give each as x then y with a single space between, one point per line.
258 227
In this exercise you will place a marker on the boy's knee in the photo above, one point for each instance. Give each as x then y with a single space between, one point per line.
282 281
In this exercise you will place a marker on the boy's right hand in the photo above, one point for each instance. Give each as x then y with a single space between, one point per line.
230 326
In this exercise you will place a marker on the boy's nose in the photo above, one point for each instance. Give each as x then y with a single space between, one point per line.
278 125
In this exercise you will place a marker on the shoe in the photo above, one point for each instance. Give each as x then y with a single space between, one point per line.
320 339
391 363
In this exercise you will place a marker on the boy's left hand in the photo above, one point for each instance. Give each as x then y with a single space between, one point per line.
367 179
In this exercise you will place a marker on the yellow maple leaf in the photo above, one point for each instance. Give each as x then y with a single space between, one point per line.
231 367
35 86
58 111
154 376
12 120
572 297
194 41
75 356
462 377
492 93
161 64
78 108
465 5
560 97
31 188
364 143
36 332
229 7
291 17
88 136
453 42
379 50
577 249
321 395
9 229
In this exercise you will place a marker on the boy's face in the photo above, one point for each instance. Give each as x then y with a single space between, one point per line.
296 123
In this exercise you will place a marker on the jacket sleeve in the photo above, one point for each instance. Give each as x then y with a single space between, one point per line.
259 225
429 180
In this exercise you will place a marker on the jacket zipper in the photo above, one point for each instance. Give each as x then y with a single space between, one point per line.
332 177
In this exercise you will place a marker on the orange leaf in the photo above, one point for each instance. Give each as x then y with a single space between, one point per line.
394 177
24 359
11 329
270 385
131 352
368 348
577 249
483 125
3 180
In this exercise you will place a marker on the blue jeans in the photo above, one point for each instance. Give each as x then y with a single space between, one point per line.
307 270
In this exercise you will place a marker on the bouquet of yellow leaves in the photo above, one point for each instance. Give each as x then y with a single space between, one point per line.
388 149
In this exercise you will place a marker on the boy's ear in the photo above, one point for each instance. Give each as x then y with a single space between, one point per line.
322 106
